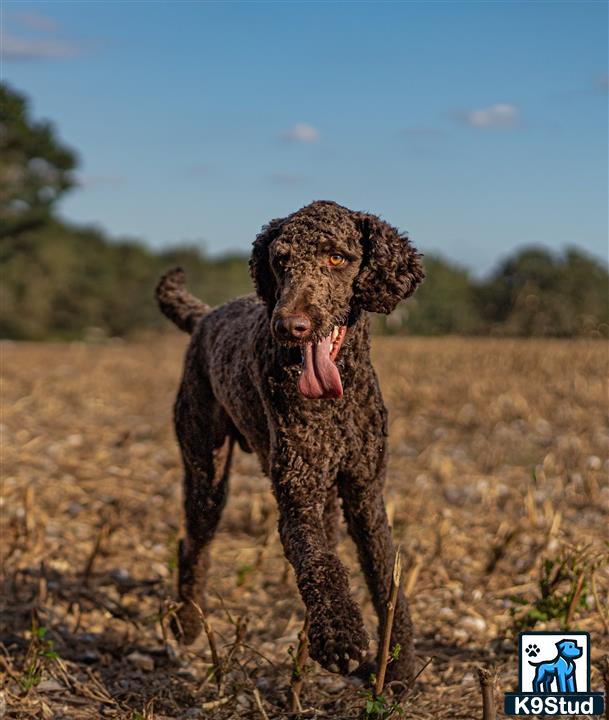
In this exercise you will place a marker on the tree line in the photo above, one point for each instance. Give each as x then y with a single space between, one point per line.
60 280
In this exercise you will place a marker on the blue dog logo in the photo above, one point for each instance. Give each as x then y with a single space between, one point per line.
560 670
553 676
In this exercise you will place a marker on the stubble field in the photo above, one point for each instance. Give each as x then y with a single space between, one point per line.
497 491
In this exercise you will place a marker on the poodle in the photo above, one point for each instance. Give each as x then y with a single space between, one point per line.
287 374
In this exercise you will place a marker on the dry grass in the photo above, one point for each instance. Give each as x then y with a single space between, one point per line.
498 460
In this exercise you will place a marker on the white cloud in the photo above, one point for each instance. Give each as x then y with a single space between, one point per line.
301 132
500 115
34 21
16 48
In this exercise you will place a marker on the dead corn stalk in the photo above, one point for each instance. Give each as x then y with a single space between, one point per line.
487 688
259 704
298 668
215 657
412 576
574 600
102 536
604 615
605 672
393 596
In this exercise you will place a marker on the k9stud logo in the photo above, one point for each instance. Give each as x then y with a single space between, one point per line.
554 676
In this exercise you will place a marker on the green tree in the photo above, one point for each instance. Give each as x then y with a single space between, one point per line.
444 304
536 292
35 168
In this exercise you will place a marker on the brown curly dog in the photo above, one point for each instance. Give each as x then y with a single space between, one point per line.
288 375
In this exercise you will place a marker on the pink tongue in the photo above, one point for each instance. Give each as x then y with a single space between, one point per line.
319 377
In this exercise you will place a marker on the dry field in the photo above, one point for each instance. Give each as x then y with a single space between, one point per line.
498 463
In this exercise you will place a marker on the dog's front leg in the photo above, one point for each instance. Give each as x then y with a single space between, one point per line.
366 518
338 639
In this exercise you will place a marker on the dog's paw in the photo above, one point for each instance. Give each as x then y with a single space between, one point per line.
338 643
365 672
532 650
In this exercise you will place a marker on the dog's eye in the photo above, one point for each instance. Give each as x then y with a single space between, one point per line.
336 260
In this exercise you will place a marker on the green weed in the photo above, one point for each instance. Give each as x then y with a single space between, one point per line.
39 655
242 574
563 590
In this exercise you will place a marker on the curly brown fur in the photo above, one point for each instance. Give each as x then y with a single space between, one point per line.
241 383
177 303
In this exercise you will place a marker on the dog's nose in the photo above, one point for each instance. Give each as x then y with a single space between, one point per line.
293 327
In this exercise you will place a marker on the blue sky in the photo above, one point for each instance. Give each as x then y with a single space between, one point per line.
478 127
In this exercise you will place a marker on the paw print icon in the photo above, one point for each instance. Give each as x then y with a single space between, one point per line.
532 650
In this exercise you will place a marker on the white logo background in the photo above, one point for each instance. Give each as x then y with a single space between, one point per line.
547 651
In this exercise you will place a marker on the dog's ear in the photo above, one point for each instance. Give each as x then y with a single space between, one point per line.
391 267
260 265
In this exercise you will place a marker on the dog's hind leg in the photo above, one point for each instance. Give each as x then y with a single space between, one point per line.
203 431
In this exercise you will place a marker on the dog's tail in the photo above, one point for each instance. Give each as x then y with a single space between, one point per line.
176 303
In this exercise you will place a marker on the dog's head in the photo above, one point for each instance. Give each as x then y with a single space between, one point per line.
569 649
320 266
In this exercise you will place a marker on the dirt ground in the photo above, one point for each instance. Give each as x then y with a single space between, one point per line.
497 491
